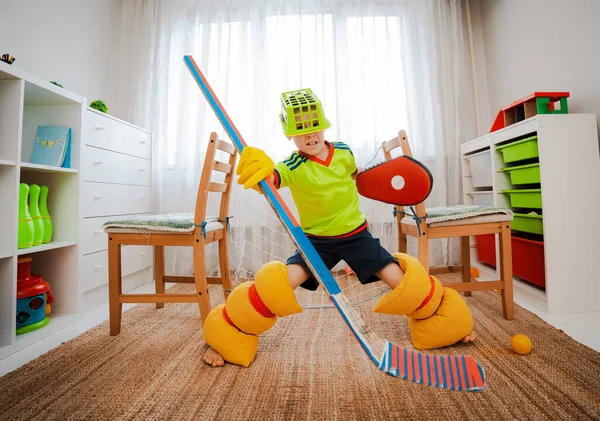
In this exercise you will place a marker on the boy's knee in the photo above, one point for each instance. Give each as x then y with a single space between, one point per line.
252 308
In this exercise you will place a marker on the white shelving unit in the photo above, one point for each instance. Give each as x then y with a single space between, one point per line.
109 177
569 167
25 103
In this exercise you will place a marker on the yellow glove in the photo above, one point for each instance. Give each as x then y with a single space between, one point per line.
254 166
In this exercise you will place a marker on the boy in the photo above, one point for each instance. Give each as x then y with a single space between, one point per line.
321 176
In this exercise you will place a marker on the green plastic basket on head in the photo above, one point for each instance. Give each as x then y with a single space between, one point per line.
302 113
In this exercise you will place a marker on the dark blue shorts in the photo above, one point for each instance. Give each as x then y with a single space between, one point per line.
362 252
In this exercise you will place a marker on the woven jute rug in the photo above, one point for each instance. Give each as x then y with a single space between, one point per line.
309 367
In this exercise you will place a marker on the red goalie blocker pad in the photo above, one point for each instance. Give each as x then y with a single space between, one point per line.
401 181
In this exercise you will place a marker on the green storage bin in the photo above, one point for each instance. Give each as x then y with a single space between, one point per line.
524 174
525 198
527 223
520 150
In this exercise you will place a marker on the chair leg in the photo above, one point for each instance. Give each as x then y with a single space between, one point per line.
465 260
200 278
159 272
114 285
224 265
506 275
402 243
423 251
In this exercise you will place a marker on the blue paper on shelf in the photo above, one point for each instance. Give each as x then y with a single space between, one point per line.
52 146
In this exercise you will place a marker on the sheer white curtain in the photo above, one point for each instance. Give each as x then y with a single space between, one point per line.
377 68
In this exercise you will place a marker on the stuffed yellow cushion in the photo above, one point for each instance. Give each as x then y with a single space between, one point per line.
414 288
435 298
242 313
234 345
274 289
451 323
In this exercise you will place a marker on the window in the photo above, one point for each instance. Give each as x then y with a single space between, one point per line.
353 64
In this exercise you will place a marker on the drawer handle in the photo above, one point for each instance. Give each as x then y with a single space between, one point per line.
142 141
142 169
99 127
98 162
143 253
98 232
98 196
142 197
97 268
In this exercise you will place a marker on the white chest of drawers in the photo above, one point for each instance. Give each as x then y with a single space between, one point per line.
115 183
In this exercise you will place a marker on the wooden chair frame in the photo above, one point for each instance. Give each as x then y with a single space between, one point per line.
424 233
197 240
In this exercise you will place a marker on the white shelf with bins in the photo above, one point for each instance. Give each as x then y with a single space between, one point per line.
25 103
569 164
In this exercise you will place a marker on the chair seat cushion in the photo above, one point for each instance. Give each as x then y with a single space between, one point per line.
173 223
462 215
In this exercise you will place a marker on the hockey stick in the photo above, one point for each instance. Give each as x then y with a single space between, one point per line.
448 372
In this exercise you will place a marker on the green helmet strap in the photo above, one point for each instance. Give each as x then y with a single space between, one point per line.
302 113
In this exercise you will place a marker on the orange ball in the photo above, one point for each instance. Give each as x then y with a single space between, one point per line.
521 344
474 273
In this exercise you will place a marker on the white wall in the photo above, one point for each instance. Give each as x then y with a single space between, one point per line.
73 42
540 45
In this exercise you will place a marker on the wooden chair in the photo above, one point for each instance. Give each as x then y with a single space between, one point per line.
463 228
204 230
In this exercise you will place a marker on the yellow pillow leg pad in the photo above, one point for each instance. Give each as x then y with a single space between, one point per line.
242 313
431 302
234 345
252 308
412 291
451 322
437 315
273 286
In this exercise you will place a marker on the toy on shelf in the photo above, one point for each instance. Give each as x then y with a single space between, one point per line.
34 211
46 218
524 108
35 222
7 58
26 229
99 105
33 298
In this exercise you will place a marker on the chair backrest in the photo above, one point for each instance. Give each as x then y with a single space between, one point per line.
401 141
206 185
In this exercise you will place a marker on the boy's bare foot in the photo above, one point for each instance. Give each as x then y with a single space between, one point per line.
212 357
470 337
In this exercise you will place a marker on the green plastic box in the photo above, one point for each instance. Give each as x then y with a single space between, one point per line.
520 150
525 198
527 223
524 174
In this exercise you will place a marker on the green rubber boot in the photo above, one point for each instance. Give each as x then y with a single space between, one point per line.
34 210
46 218
25 220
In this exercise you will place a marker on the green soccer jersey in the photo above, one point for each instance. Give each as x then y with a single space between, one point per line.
324 191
